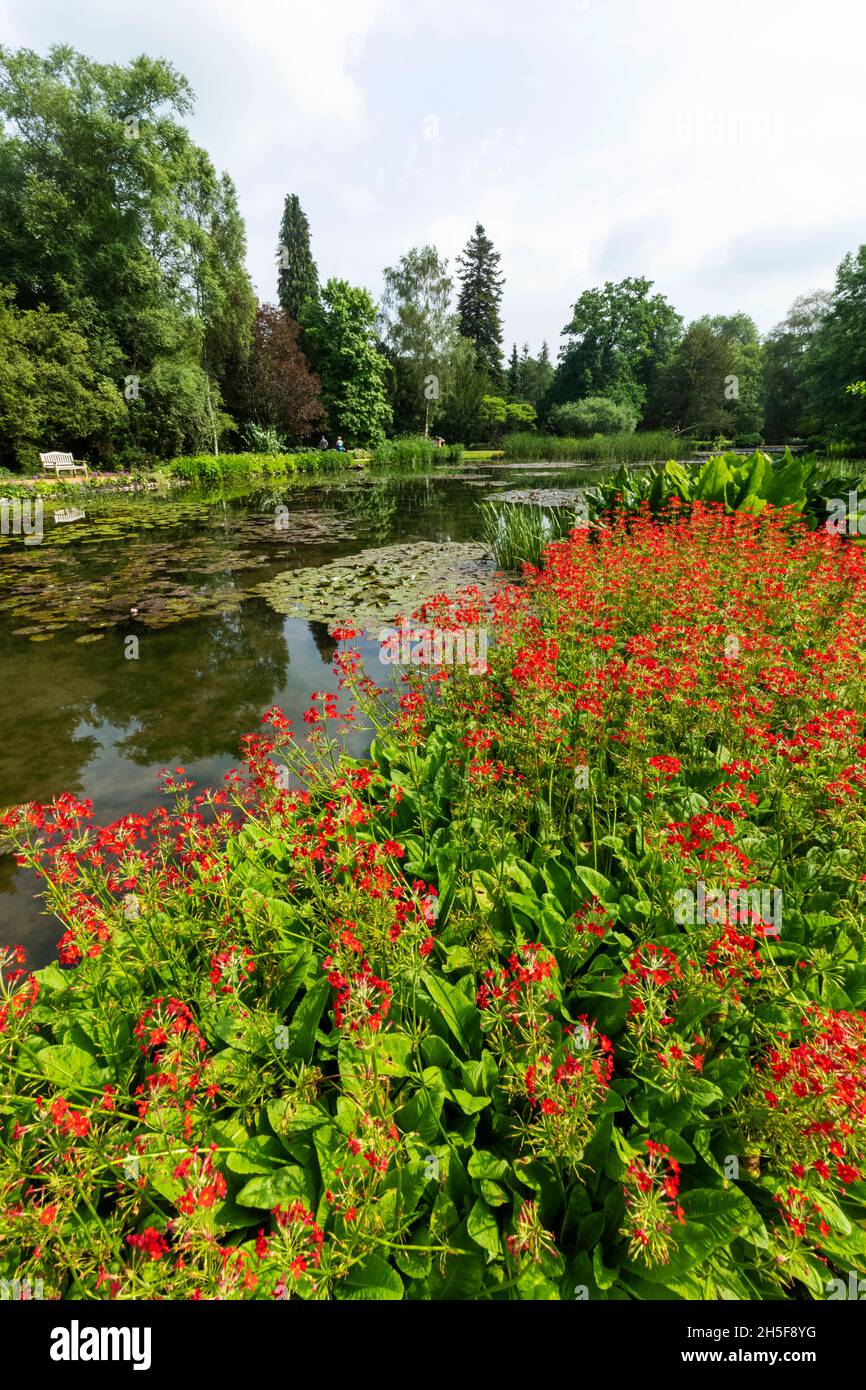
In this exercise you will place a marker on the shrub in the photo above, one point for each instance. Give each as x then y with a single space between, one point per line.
594 415
264 439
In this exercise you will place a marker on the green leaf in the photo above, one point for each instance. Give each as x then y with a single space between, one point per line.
470 1105
460 1014
372 1280
712 480
604 1278
68 1066
302 1033
415 1264
483 1164
421 1115
288 1184
598 885
484 1228
289 1116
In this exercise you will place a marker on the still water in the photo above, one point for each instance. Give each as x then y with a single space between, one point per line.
180 574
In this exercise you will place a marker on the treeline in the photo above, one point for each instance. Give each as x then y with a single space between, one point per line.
130 331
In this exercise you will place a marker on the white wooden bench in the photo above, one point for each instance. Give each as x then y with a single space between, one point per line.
62 463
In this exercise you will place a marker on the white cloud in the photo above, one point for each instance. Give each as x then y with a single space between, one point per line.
716 150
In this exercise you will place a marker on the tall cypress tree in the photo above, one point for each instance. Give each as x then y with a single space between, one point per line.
297 277
479 299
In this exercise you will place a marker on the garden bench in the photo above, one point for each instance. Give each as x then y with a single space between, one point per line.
62 463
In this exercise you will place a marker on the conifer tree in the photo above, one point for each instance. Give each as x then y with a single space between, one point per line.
297 277
479 300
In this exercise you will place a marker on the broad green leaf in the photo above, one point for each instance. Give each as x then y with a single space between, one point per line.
372 1280
68 1066
289 1184
484 1228
302 1033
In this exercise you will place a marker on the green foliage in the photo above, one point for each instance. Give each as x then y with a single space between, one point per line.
51 395
264 440
737 483
518 534
466 384
529 378
414 450
339 340
297 277
837 356
620 336
111 215
786 405
595 415
714 383
178 408
420 334
479 300
645 445
497 415
229 467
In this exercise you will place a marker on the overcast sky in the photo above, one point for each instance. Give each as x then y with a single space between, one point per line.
717 148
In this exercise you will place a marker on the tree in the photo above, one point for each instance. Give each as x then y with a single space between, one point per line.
340 343
620 337
111 215
534 374
493 415
836 356
224 299
178 409
479 299
743 384
513 381
419 331
785 350
51 395
275 387
692 391
297 277
593 415
714 385
465 385
499 416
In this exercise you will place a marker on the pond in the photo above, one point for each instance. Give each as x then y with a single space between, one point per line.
154 632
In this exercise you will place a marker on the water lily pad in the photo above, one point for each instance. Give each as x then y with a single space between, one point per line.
379 585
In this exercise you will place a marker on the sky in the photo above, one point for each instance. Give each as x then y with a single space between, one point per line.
716 148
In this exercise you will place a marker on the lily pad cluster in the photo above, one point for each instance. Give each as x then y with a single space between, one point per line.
381 584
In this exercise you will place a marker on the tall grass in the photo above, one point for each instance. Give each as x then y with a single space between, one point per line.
413 450
651 445
519 533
